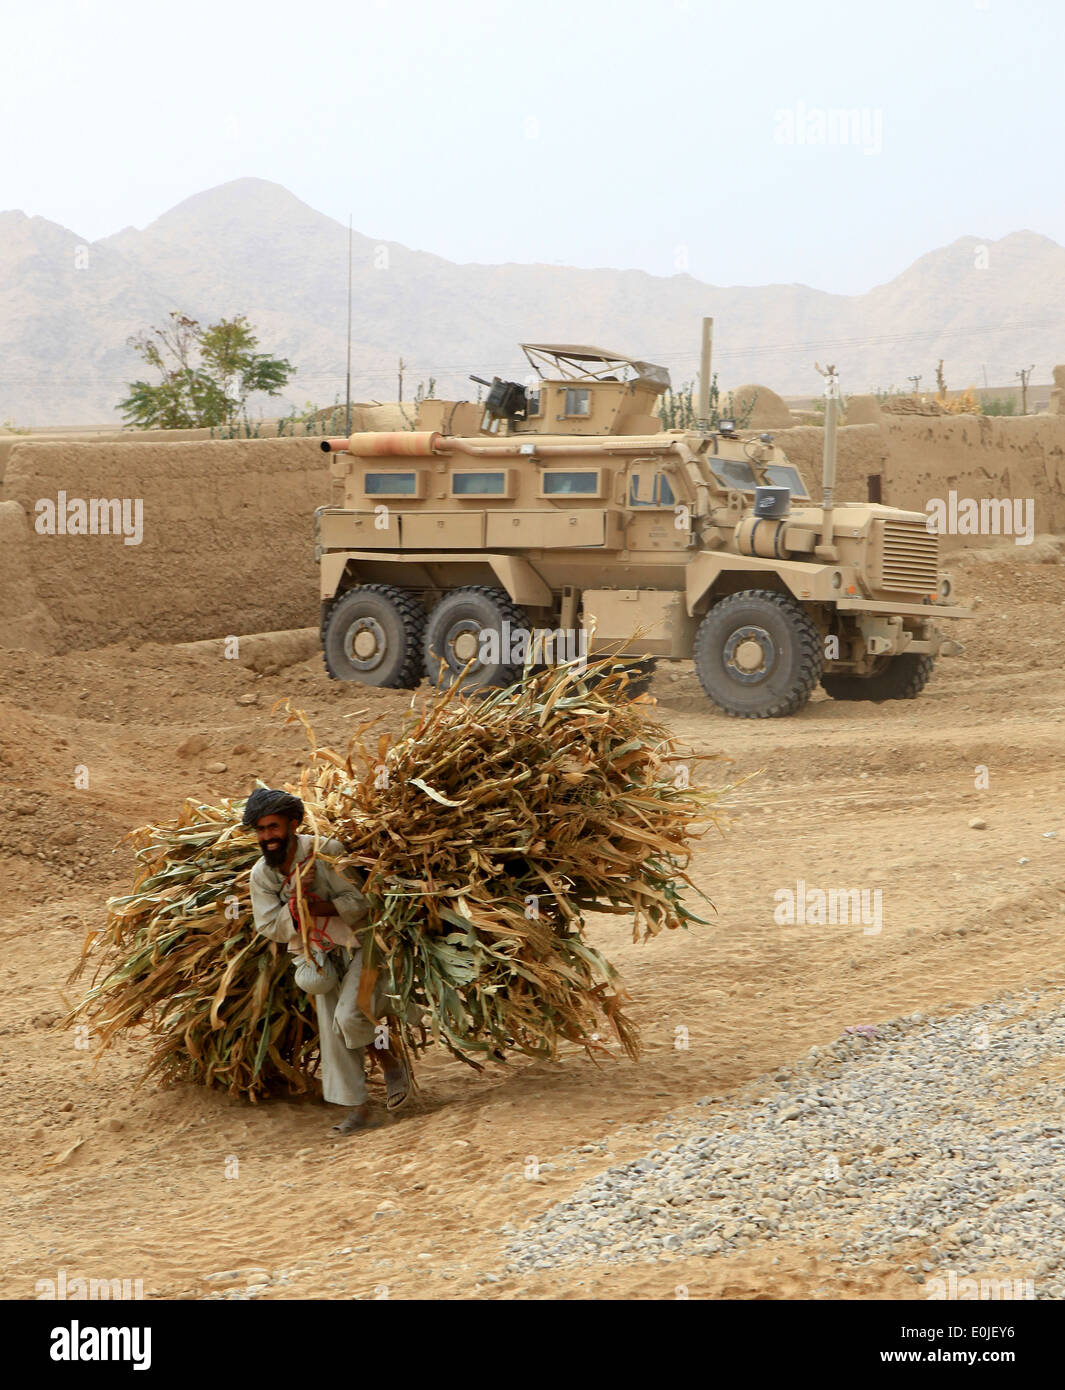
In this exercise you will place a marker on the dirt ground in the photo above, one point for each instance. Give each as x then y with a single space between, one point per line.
102 1180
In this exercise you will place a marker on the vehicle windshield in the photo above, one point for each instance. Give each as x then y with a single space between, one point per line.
783 475
738 473
735 473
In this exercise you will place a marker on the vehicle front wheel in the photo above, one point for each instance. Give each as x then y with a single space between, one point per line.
758 654
373 634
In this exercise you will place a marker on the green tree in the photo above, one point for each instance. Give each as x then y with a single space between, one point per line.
205 374
679 410
998 405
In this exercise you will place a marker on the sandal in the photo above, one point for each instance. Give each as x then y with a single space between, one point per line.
354 1120
397 1087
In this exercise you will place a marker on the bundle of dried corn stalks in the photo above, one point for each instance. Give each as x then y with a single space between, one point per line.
481 838
179 953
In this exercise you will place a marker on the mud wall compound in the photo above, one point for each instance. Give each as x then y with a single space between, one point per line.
227 540
977 456
8 442
915 458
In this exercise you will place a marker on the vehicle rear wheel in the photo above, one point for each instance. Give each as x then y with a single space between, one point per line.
897 678
373 634
468 624
758 655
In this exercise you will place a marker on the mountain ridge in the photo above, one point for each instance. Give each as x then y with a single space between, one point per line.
67 308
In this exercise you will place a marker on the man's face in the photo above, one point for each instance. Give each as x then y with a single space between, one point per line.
275 835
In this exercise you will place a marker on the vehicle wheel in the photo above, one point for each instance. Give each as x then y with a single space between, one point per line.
373 634
456 632
758 655
897 678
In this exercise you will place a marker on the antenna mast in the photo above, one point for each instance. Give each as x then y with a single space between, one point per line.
347 393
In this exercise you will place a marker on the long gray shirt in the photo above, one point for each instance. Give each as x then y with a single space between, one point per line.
271 893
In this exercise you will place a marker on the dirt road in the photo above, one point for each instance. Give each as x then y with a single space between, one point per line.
173 1187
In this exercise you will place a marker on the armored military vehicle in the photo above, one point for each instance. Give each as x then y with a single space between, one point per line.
560 506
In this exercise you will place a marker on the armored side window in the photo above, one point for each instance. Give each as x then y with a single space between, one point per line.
557 482
578 401
480 484
391 484
645 492
533 403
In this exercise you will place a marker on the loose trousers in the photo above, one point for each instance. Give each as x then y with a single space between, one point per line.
344 1033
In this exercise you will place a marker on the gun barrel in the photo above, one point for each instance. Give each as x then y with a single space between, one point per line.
385 444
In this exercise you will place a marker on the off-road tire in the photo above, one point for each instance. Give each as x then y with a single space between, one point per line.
793 647
399 620
477 607
902 678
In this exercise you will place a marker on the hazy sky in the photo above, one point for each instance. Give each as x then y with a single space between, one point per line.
678 135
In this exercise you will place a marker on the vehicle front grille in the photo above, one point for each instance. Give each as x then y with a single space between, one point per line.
909 558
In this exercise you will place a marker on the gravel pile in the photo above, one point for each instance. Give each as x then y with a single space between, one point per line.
934 1133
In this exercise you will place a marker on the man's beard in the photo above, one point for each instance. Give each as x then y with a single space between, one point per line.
276 857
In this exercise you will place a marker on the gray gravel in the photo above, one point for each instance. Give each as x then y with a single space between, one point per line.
927 1132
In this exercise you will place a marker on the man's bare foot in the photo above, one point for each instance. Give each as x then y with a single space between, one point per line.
356 1119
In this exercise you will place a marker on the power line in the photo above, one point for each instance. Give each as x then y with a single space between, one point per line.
662 356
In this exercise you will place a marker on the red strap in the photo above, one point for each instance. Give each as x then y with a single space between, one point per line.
320 939
319 936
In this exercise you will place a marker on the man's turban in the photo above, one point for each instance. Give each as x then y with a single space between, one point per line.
266 802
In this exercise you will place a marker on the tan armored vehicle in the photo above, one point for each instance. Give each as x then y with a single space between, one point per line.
562 507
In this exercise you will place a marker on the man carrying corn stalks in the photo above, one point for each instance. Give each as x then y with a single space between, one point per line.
288 872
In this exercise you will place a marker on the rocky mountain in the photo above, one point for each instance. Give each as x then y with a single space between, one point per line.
67 308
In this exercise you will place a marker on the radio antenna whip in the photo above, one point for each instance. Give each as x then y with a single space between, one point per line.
347 394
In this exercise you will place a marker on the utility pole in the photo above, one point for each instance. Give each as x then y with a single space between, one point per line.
1024 374
916 383
347 394
402 364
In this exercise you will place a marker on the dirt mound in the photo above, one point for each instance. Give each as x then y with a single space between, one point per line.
266 653
862 410
1044 550
768 411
